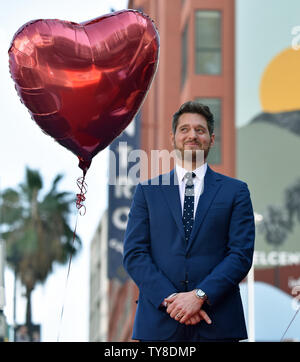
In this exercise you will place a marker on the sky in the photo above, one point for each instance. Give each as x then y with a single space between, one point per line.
22 144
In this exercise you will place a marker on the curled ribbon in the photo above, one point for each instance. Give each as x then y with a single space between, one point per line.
80 198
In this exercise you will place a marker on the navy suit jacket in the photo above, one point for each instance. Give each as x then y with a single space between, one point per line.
216 258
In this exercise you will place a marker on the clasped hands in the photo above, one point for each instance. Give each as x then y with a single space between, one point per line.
186 308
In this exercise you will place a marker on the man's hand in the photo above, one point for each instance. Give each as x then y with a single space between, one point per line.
198 317
186 308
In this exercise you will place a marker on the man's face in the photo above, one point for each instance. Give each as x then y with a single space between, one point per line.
192 134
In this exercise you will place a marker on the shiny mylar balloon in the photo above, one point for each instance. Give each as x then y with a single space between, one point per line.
84 83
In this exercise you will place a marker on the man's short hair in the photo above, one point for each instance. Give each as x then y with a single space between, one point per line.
194 107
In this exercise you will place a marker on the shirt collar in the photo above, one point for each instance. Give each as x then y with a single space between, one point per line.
199 171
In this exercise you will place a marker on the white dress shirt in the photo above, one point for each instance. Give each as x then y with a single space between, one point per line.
198 183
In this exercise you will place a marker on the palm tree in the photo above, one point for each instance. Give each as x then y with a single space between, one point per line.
37 232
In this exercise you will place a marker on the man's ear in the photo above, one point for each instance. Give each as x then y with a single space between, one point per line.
172 138
212 139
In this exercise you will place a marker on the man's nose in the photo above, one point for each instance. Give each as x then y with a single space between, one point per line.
192 133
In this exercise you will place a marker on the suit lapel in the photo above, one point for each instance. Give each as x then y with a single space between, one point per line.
211 186
171 193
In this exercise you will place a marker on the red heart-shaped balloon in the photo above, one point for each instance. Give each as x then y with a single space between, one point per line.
84 83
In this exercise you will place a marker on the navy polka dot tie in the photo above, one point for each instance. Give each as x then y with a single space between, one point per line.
188 206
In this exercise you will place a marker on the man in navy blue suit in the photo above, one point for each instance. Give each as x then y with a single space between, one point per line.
189 242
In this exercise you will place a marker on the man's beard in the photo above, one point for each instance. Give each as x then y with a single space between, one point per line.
198 156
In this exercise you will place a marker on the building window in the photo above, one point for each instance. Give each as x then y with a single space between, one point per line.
215 106
184 54
207 42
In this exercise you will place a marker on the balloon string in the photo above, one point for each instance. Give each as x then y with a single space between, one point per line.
292 320
80 198
68 273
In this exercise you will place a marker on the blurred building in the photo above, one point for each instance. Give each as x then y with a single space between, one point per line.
196 62
257 140
197 52
98 311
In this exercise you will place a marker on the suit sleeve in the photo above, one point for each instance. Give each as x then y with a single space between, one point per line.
152 283
238 259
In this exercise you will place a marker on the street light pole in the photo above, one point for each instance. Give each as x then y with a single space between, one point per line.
2 292
251 312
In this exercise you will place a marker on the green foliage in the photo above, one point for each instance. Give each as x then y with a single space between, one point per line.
36 229
275 225
278 221
292 201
